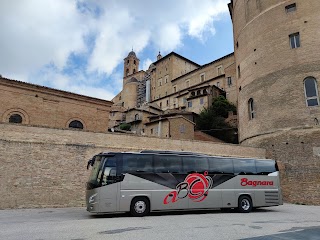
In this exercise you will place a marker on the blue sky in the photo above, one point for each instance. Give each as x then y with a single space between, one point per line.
79 45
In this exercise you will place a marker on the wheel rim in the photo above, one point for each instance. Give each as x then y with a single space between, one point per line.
140 207
245 204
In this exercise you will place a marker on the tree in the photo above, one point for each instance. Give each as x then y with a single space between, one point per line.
125 126
211 120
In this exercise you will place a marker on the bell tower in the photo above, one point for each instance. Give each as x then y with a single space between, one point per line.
130 64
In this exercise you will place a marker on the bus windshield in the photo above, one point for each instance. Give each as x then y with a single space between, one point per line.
96 172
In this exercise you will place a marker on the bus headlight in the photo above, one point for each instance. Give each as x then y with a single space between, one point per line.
92 198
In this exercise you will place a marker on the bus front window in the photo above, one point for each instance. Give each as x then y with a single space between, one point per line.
109 172
96 172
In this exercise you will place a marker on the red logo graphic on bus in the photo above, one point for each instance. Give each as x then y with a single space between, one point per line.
196 186
246 182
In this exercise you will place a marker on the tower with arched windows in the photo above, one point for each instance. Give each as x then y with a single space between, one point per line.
130 65
276 46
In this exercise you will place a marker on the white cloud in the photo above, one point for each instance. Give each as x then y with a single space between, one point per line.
146 64
36 34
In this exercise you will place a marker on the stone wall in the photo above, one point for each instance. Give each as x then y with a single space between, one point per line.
45 167
297 152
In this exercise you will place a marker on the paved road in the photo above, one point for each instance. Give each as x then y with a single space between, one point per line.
283 222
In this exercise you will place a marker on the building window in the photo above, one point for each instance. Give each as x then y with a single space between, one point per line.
151 131
15 118
190 104
160 82
311 92
188 83
167 103
291 8
251 109
219 70
174 89
134 62
201 101
160 104
136 117
166 79
182 128
218 84
134 71
184 100
128 62
229 81
76 124
239 71
202 77
294 40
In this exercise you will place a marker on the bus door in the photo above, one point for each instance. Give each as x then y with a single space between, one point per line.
110 186
201 193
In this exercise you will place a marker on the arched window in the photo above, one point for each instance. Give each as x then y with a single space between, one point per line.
311 91
76 124
136 117
134 62
15 118
127 72
134 71
251 109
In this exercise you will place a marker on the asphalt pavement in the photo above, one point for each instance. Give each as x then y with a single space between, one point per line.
282 222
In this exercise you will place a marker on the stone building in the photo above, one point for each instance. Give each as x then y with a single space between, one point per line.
34 105
173 83
277 61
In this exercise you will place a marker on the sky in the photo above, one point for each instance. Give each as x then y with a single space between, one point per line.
79 45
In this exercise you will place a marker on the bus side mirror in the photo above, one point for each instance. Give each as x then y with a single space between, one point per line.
89 162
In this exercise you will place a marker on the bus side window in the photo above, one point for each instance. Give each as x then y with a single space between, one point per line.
137 163
244 166
167 164
189 164
220 165
195 164
265 166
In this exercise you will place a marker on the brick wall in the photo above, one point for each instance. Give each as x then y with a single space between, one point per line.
42 106
45 167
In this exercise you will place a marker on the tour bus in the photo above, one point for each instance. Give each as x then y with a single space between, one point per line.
149 181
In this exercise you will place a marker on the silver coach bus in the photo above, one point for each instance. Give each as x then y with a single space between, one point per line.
164 180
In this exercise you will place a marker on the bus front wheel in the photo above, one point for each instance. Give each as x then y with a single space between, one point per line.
244 204
140 207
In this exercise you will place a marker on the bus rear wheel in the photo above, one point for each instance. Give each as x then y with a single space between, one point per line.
244 204
140 207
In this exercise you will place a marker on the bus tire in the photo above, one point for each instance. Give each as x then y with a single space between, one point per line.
244 204
140 206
